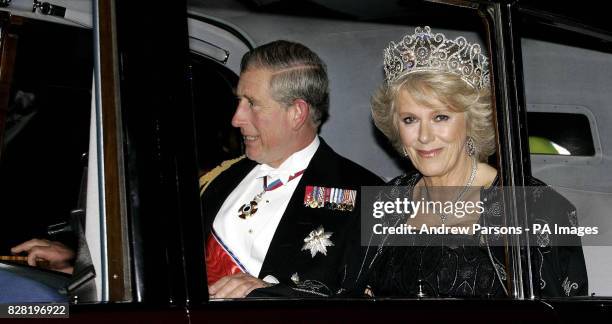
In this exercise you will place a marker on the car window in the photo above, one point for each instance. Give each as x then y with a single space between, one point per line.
216 138
44 143
544 137
568 107
351 42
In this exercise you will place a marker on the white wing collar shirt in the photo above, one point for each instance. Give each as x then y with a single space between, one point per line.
248 239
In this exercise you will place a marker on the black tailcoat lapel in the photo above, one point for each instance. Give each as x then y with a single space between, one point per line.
285 255
220 188
297 218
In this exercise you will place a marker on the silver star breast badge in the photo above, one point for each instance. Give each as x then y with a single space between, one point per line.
317 241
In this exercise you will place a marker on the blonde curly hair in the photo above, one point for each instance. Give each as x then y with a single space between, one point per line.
449 89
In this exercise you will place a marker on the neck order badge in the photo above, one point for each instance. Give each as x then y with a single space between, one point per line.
249 209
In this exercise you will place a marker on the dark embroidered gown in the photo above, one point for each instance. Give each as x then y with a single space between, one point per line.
468 266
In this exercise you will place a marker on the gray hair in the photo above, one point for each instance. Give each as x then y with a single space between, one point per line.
449 89
299 74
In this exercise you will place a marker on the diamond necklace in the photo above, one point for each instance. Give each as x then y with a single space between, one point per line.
444 216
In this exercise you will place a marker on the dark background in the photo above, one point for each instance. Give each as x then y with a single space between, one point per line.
41 167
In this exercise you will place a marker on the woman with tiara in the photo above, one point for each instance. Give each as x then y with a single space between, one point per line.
435 108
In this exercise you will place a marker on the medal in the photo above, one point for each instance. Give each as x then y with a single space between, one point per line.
330 198
249 209
317 241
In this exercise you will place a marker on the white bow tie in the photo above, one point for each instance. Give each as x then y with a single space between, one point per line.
273 174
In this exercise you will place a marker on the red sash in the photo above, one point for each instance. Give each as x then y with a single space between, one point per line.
219 261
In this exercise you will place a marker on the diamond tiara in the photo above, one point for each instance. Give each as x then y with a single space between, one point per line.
424 51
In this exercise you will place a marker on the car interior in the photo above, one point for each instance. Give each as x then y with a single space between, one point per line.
51 158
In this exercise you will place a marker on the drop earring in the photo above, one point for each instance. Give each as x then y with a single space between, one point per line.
470 146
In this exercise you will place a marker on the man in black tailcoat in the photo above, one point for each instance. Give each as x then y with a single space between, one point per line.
286 218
